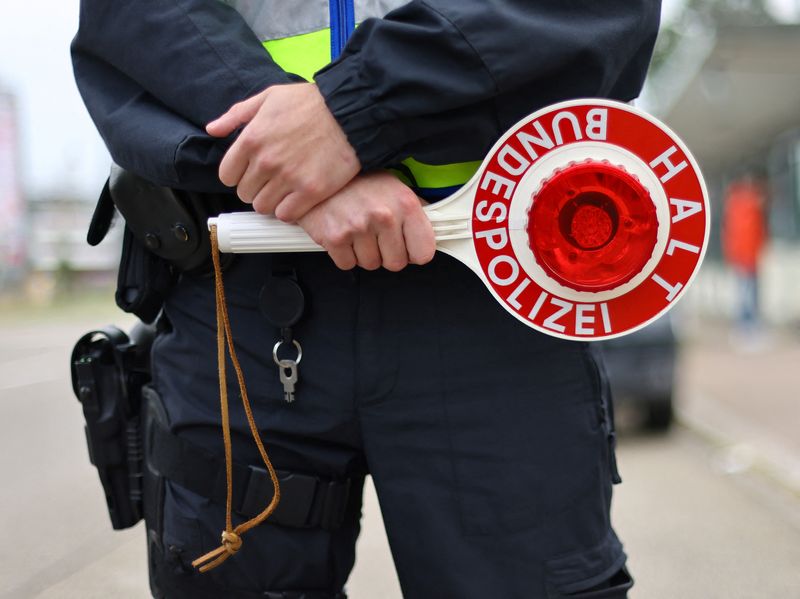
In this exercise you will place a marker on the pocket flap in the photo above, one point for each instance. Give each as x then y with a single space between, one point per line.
583 570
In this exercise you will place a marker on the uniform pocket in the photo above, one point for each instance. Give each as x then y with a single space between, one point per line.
526 443
594 573
182 539
616 588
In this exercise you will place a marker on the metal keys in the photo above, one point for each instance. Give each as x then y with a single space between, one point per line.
282 303
287 369
288 374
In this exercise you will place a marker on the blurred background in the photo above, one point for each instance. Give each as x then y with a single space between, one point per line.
707 401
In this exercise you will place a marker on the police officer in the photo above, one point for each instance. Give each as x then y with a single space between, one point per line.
491 446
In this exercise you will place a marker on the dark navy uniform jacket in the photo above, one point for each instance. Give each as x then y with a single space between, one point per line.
439 79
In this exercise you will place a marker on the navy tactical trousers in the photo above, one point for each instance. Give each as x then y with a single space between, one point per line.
489 444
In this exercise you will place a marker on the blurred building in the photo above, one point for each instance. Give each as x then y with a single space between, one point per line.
58 239
44 239
733 94
12 206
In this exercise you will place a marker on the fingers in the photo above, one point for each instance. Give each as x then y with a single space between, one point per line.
237 115
393 238
234 165
297 203
343 256
269 196
392 246
367 251
250 185
388 247
420 240
374 221
290 135
322 228
239 159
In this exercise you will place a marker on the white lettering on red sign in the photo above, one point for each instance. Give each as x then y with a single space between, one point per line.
512 161
496 239
513 299
584 316
684 209
597 124
528 141
606 317
496 278
538 305
496 211
596 128
501 184
672 169
551 322
672 290
681 245
568 116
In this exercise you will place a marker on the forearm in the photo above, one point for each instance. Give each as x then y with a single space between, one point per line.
145 137
196 57
435 58
152 73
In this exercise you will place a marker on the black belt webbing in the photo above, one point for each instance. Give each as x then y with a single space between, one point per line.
306 501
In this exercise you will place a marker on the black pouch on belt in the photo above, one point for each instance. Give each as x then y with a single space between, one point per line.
165 234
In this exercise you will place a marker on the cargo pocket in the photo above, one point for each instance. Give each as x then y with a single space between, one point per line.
595 573
182 537
173 533
154 487
527 450
615 588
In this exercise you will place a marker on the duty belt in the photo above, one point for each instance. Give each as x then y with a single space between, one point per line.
308 501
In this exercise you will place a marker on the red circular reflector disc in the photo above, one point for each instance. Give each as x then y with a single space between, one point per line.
590 219
592 226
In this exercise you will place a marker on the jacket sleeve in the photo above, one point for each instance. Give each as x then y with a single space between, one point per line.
152 73
435 57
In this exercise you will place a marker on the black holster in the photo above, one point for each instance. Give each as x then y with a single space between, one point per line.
109 369
165 234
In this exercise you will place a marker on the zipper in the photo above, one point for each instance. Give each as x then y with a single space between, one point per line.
342 17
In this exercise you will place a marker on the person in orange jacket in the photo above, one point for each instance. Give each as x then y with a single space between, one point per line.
744 234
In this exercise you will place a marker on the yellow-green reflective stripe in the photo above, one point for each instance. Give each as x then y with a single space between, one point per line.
303 54
433 176
307 53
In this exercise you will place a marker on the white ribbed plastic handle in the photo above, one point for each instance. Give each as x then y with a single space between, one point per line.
250 233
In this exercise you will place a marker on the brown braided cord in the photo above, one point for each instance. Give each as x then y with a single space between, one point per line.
232 537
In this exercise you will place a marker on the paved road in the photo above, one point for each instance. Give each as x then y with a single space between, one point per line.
692 529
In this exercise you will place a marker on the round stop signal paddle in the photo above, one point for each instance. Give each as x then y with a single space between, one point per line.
587 220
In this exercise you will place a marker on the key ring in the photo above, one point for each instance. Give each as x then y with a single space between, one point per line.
278 345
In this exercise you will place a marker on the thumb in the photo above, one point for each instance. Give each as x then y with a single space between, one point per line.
237 115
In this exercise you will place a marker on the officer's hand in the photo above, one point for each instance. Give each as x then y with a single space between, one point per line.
374 221
291 155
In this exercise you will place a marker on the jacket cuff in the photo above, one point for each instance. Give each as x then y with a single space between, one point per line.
410 65
366 124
